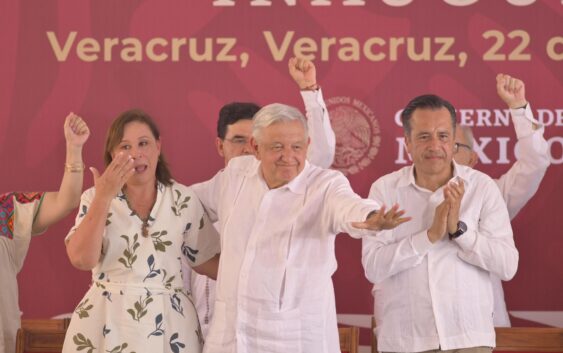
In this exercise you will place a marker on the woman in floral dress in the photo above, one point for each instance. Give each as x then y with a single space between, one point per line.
23 214
131 230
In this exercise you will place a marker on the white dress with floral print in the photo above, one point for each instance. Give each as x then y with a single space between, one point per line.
136 302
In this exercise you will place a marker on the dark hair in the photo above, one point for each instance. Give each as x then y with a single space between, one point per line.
233 112
427 101
115 135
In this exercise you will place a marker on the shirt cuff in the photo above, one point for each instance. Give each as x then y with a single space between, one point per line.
360 233
466 241
420 243
523 120
313 97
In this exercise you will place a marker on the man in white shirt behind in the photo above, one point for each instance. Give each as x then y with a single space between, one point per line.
431 276
278 219
523 179
234 129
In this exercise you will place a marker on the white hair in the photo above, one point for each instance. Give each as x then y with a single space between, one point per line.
274 113
467 133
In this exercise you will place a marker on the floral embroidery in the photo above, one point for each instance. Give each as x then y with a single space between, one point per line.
152 271
28 197
7 216
82 309
189 252
180 205
175 346
158 324
159 244
82 343
129 253
140 307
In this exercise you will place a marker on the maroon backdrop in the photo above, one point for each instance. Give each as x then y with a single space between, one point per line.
182 60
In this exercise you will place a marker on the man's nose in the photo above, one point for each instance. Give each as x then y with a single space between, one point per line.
247 148
287 154
435 142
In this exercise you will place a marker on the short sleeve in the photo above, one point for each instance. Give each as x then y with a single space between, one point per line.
85 201
201 240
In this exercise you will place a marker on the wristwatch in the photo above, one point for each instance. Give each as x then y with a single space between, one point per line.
461 228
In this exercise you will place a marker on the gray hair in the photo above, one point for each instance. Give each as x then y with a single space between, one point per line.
468 134
274 113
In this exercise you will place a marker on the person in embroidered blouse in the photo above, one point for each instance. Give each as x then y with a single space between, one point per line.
23 214
132 229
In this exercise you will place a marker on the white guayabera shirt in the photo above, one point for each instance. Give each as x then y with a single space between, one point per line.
321 153
520 183
274 289
438 295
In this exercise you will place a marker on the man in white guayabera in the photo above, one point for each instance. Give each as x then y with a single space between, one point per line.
523 179
234 129
278 219
432 276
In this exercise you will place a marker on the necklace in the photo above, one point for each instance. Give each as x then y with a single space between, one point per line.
145 221
145 227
